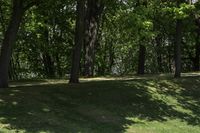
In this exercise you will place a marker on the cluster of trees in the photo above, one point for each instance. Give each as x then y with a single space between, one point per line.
51 39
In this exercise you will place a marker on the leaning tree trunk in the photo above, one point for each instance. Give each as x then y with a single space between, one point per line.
79 41
141 60
9 40
177 49
93 14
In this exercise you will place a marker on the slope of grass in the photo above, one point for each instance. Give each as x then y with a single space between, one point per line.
148 104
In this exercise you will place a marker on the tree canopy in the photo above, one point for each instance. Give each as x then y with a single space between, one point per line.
67 38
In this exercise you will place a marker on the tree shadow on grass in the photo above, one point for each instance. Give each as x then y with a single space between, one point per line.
100 106
188 96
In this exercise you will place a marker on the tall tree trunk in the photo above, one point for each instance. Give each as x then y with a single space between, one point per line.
93 14
48 65
79 41
197 47
58 65
9 40
2 20
111 57
159 53
141 60
13 69
197 54
47 56
142 48
177 49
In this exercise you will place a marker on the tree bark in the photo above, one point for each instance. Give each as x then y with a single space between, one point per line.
9 40
58 65
93 14
79 41
2 20
197 55
159 53
47 56
177 49
13 69
48 65
141 60
197 47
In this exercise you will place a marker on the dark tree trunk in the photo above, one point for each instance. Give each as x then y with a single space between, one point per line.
93 14
58 65
48 65
159 54
111 57
47 57
11 72
177 45
79 41
177 49
141 60
2 20
13 69
197 47
9 40
197 55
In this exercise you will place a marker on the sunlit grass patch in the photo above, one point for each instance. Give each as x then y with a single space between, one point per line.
170 126
144 104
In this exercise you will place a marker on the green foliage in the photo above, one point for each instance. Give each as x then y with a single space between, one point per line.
46 37
182 12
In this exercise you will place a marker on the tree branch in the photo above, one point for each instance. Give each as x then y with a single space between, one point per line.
31 4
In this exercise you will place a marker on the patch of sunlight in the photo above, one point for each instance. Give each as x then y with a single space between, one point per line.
15 90
2 118
173 102
136 120
170 100
193 102
152 83
8 130
11 94
158 96
3 125
110 78
55 81
19 131
45 82
170 126
62 98
99 79
2 101
137 84
160 90
30 113
46 110
183 110
151 89
14 103
167 85
44 132
192 74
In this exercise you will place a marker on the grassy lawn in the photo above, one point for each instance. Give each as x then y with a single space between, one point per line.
148 104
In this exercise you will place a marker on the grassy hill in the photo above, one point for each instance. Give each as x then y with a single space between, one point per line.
147 104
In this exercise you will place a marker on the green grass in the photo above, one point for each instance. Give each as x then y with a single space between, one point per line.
147 104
